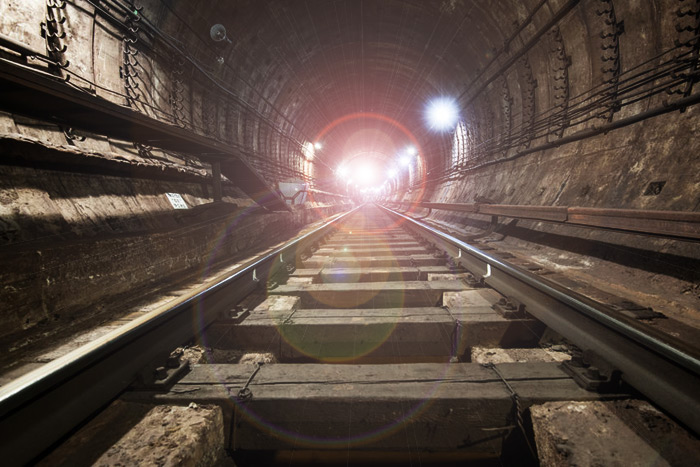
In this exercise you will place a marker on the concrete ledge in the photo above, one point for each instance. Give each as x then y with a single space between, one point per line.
128 433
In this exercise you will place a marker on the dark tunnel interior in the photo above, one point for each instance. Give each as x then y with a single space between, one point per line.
150 145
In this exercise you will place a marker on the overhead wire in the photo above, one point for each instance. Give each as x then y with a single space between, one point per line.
592 104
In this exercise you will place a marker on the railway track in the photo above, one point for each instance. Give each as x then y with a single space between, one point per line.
372 319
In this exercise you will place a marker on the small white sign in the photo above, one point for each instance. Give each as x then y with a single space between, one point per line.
176 200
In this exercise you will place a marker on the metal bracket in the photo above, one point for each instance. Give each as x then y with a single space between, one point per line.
510 308
472 281
593 373
236 315
155 377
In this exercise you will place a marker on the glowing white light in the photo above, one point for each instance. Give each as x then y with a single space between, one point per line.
391 173
442 113
411 151
341 172
318 145
406 160
366 174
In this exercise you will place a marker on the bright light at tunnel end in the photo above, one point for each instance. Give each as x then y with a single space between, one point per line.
342 172
442 114
366 174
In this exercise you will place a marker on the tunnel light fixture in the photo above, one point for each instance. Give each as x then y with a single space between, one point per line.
406 160
391 173
318 145
218 33
442 113
411 150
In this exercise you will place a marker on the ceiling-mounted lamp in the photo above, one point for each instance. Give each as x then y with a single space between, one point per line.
442 114
218 33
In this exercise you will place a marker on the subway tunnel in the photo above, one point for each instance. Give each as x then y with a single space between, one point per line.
151 149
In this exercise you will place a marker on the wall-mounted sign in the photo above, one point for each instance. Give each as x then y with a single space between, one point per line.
293 193
176 200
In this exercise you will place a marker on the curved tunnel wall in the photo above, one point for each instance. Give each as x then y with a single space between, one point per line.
603 50
525 74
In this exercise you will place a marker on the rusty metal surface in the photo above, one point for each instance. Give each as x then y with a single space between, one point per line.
669 223
462 207
543 213
677 224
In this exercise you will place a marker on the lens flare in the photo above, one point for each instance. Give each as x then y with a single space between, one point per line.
342 172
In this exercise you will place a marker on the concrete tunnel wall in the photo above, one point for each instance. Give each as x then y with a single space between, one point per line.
85 218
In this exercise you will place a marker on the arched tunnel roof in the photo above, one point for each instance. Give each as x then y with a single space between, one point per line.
317 62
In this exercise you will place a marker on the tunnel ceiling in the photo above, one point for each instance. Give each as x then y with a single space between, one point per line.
319 61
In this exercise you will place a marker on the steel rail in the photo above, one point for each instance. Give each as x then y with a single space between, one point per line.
39 408
659 366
